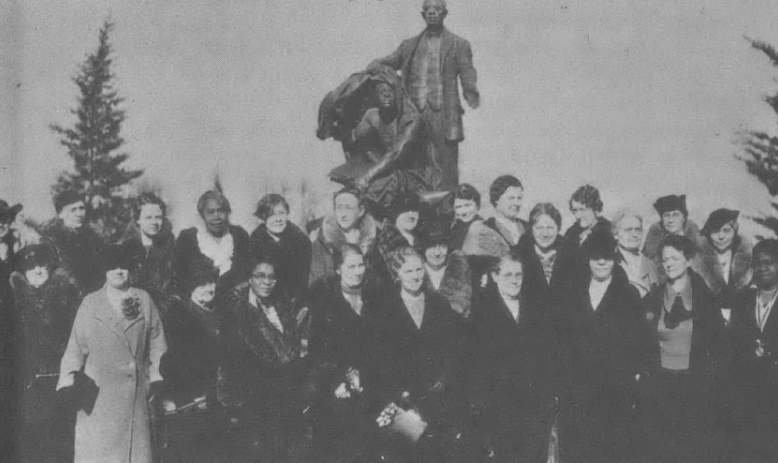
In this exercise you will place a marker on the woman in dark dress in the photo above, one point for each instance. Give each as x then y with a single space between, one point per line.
586 206
345 343
688 353
263 366
225 245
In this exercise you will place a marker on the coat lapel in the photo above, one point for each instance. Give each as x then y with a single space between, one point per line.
105 314
446 42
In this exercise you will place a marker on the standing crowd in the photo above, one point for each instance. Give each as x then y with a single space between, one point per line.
426 337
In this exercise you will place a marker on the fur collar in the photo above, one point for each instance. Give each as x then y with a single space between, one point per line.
656 234
740 268
332 236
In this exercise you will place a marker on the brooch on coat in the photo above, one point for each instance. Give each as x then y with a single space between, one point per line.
131 307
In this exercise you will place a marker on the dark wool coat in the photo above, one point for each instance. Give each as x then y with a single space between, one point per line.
152 268
565 270
707 265
7 266
79 252
509 377
259 363
188 255
457 283
292 252
456 61
330 236
573 233
389 240
492 223
710 350
459 231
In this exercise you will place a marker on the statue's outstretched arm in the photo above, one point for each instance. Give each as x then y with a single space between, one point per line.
468 76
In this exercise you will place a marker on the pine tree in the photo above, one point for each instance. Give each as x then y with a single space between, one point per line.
94 142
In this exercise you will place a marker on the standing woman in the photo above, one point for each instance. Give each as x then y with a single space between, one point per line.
400 232
224 244
725 255
112 365
586 206
673 220
262 365
278 237
687 352
346 327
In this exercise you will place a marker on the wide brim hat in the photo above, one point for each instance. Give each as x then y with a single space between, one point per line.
671 203
436 230
405 202
718 219
9 212
115 257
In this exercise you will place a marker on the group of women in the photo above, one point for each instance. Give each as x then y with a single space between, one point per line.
427 338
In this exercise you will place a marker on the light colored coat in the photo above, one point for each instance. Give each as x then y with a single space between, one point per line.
122 357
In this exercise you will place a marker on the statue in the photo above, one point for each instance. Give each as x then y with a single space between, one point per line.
431 63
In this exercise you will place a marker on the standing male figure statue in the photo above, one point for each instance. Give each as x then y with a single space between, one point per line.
431 63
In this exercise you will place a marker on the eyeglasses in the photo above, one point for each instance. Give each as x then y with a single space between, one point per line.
265 278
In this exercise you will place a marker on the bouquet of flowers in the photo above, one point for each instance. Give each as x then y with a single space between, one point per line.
131 306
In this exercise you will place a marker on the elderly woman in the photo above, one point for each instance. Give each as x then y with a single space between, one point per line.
346 328
724 261
506 195
401 231
263 365
46 305
112 362
224 244
350 223
673 220
586 206
509 371
447 270
627 227
548 258
688 351
602 337
278 237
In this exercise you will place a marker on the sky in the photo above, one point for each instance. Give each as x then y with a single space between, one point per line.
640 99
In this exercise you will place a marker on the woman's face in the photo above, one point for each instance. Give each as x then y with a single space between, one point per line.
352 270
465 209
723 238
216 218
276 223
545 231
510 202
673 222
407 221
150 219
204 294
118 278
262 280
674 262
509 279
436 255
585 215
630 233
37 276
347 211
601 268
5 227
411 274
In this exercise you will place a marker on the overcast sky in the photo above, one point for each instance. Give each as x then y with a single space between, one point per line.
641 99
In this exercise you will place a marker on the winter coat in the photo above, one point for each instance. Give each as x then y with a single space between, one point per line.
153 267
188 256
122 357
79 252
573 234
457 283
707 265
495 225
8 245
565 270
330 236
647 278
655 235
389 240
292 252
459 231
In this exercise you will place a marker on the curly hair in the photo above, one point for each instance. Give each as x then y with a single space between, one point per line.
339 254
542 209
398 257
589 196
147 198
679 243
500 185
621 215
468 192
768 246
267 205
350 191
511 256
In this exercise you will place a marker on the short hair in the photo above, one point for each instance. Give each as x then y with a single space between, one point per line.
267 205
468 192
442 2
622 214
679 243
769 247
263 258
144 199
589 196
548 209
512 256
398 257
340 252
350 191
213 195
500 185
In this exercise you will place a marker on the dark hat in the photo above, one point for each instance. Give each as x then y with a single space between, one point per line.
116 256
599 245
718 219
671 203
66 198
203 272
436 230
405 202
36 255
8 212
